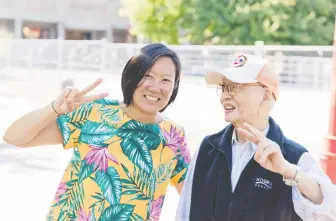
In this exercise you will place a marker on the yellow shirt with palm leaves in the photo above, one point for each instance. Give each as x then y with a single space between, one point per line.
121 168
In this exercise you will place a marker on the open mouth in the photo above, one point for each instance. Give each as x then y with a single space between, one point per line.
229 107
151 98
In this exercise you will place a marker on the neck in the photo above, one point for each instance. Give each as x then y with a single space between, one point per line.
138 115
260 125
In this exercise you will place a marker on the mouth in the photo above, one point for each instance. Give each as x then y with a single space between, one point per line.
229 107
151 98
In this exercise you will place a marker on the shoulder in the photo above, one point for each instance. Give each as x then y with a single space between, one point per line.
105 106
170 125
216 138
104 111
293 151
106 102
293 146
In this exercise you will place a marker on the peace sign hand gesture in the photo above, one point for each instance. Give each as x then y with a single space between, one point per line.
71 98
268 153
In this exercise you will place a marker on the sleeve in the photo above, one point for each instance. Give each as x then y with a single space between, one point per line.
307 210
183 209
183 159
71 124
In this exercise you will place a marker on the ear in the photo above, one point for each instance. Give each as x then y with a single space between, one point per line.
267 94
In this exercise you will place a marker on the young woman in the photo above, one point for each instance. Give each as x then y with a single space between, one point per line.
125 152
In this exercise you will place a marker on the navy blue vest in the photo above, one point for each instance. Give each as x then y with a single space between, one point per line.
260 195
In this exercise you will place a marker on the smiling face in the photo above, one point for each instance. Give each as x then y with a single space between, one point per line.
155 89
248 104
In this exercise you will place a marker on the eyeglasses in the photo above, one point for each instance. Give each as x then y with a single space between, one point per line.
233 89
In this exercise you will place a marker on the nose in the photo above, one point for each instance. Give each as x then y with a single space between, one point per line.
155 86
225 95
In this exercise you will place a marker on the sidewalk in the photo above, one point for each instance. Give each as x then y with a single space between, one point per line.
30 177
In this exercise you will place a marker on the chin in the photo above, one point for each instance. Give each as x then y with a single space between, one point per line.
231 119
150 109
228 119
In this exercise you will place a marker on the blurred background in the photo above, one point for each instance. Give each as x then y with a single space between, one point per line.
46 45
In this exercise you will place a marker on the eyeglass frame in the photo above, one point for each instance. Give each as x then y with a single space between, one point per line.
222 87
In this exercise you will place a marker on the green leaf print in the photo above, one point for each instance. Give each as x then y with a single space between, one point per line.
50 217
75 162
163 173
136 217
182 177
140 184
163 139
71 201
78 124
96 133
85 171
81 113
107 102
110 184
118 212
72 215
93 216
76 157
151 134
62 216
66 131
179 166
100 202
136 150
109 115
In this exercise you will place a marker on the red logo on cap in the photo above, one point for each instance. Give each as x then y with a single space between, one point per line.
239 61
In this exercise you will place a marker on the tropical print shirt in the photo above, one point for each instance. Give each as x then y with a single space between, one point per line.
120 168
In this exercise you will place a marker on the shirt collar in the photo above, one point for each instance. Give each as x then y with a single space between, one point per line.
254 146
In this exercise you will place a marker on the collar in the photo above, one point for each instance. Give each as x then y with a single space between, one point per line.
222 141
254 146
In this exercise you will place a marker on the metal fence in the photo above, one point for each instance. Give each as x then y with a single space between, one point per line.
297 66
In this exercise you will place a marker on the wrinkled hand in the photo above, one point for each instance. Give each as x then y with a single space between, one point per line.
72 98
268 153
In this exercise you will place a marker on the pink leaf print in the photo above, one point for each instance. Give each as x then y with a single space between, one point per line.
185 154
82 215
177 143
99 157
155 209
62 188
174 139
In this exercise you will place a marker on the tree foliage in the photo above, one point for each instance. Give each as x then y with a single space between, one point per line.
288 22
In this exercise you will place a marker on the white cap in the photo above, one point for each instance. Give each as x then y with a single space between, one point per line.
246 69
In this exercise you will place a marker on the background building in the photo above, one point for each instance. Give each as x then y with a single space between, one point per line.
64 19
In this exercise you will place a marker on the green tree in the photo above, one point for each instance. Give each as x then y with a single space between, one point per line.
156 20
299 22
273 21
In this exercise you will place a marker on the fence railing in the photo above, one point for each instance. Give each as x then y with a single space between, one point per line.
297 66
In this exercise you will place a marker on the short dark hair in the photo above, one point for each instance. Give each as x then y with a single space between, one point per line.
139 65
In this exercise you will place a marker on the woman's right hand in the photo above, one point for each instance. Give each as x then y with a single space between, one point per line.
71 98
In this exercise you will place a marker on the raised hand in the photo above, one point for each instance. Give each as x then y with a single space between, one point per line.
72 98
268 153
